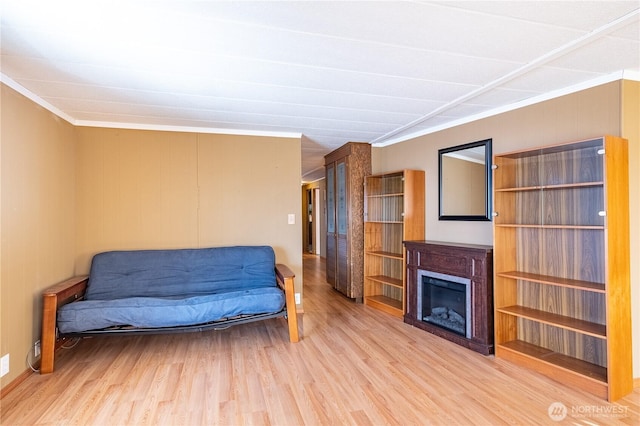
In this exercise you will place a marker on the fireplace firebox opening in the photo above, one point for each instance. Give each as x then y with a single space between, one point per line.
445 301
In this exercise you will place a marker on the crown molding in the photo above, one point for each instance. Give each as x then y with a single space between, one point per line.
137 126
619 75
185 129
631 75
35 98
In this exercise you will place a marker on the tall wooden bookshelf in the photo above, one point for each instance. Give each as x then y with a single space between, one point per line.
394 212
561 253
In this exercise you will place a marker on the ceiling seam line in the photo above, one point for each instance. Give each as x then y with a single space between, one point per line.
554 54
278 86
396 45
271 62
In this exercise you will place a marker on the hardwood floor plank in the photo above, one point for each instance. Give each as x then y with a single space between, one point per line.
360 418
354 366
317 401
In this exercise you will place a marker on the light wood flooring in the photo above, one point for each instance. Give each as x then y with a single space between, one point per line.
354 365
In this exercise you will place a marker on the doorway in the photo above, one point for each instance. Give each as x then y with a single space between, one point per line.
311 238
313 217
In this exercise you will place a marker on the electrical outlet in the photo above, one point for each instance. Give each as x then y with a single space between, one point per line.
36 349
4 365
297 298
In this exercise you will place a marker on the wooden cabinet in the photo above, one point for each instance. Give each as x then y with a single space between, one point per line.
561 250
394 212
345 170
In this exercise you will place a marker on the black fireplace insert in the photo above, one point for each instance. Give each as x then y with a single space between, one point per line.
445 301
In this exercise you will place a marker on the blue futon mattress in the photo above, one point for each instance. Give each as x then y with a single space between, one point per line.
150 312
174 287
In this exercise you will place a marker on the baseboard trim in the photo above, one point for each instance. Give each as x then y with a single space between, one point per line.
15 383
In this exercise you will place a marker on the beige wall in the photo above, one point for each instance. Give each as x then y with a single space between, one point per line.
135 189
38 219
68 193
589 113
150 189
141 189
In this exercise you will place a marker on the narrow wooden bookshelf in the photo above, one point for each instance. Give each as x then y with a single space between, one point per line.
394 212
561 250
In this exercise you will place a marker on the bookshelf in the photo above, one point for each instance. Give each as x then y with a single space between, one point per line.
394 212
561 250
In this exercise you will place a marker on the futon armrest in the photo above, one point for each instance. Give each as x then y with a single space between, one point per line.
52 298
283 271
67 291
285 279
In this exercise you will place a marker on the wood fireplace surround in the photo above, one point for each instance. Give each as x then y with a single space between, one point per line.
474 262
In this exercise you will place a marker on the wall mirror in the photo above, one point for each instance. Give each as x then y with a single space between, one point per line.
464 178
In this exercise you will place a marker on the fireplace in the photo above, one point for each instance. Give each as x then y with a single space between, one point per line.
445 301
450 292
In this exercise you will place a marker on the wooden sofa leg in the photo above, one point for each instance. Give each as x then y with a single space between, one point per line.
285 280
292 313
48 339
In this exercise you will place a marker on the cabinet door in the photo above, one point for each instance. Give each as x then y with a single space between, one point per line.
331 225
342 228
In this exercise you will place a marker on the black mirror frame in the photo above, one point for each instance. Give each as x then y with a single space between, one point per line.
488 181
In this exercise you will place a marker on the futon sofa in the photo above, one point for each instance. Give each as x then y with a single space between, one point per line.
161 291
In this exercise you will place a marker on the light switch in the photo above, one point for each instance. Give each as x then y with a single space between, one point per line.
292 218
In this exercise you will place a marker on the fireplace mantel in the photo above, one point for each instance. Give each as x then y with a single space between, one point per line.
474 262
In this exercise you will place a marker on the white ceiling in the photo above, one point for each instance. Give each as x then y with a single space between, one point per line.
332 72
